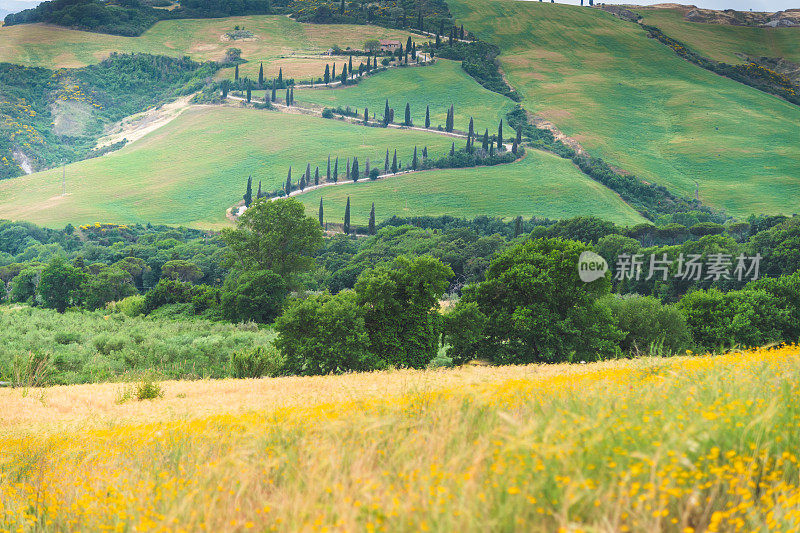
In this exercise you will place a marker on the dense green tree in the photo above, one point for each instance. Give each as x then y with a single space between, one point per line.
539 310
261 76
316 176
394 162
327 78
109 285
181 269
324 334
462 331
500 136
355 173
386 114
236 73
253 296
321 214
366 116
486 140
427 117
648 325
248 193
518 229
60 285
288 187
280 76
336 170
408 121
23 285
274 235
386 163
347 217
401 303
414 160
372 220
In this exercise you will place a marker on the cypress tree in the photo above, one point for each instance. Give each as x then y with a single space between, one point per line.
347 175
424 153
333 71
500 136
438 41
461 33
491 150
248 92
394 162
259 194
280 76
343 77
328 173
408 113
316 176
408 44
327 77
248 193
261 76
302 182
224 89
414 52
519 136
428 117
308 173
321 214
386 112
350 66
336 170
386 163
236 73
470 135
486 140
453 149
288 188
414 160
366 116
518 227
274 96
372 220
292 95
354 172
347 217
288 101
514 147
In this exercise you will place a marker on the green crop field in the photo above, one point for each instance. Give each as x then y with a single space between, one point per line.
632 101
723 42
541 185
202 39
437 86
191 170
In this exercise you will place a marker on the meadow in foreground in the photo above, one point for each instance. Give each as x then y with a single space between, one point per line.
683 444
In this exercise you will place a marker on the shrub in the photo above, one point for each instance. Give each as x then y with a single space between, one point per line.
131 306
327 113
649 325
106 343
63 337
256 362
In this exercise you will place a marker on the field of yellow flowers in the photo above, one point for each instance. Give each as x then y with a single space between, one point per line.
694 443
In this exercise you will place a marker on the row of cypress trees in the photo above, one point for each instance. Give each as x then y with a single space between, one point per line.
346 226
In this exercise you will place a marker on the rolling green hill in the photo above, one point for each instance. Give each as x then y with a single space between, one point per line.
438 86
541 185
722 42
632 101
191 170
276 36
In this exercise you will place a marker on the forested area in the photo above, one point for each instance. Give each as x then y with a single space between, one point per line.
33 100
366 303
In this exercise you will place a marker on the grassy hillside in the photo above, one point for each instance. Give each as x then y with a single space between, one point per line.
191 170
632 101
543 185
201 39
722 42
710 447
438 86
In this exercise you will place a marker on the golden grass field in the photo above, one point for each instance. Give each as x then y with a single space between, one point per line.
685 444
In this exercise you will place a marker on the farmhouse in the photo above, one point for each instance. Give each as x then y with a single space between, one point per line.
389 45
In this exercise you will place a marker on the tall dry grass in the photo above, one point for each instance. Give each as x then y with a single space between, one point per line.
685 444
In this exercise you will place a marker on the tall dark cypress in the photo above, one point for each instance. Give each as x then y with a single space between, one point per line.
354 171
414 160
347 217
386 163
408 44
336 170
453 149
427 117
236 73
424 153
288 188
303 182
280 76
350 65
408 113
316 176
288 98
372 220
386 112
321 214
519 136
327 78
366 116
500 136
248 193
261 76
248 92
486 140
259 194
274 96
333 71
394 162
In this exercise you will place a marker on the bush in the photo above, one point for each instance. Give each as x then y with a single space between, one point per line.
63 337
649 326
255 296
131 306
327 113
256 362
463 330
